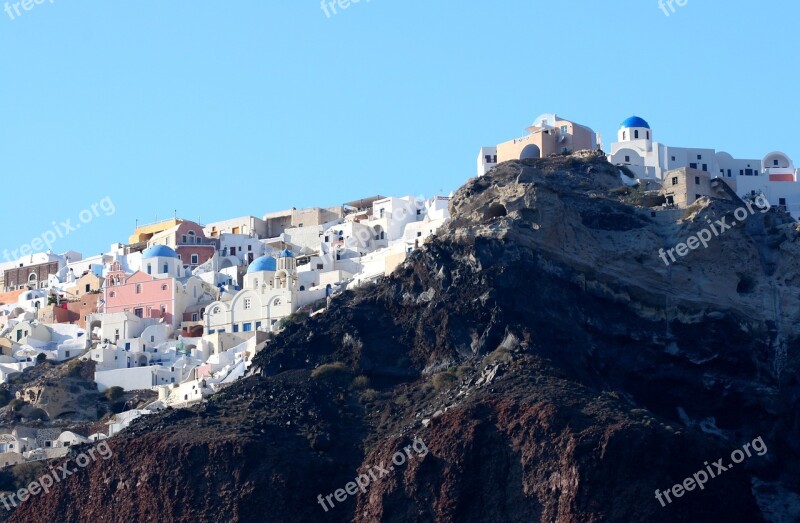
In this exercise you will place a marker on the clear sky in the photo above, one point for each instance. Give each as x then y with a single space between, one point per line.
221 109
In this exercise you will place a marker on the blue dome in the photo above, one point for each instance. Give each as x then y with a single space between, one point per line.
264 263
159 251
635 121
286 253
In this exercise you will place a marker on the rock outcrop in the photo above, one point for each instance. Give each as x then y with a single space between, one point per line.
555 367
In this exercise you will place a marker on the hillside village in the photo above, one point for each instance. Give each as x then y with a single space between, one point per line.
682 175
178 311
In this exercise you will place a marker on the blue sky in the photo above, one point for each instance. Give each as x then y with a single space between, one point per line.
223 109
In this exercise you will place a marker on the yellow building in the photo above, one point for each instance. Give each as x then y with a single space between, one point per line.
145 232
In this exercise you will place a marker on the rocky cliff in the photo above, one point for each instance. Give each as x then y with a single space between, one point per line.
550 363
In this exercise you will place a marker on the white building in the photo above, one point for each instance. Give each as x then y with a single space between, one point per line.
774 176
270 293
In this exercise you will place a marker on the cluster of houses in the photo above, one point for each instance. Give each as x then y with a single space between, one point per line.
684 174
182 308
22 444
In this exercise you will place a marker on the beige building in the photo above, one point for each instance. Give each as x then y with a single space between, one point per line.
549 134
278 222
682 187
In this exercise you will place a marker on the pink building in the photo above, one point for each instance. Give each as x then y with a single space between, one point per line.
160 290
140 293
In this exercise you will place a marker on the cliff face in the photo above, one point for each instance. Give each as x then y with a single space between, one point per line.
554 367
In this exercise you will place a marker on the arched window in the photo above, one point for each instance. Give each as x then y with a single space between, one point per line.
32 277
164 287
302 287
636 134
191 237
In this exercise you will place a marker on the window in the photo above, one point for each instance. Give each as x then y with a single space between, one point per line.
138 288
183 238
674 180
194 316
636 134
624 135
419 234
249 248
696 196
166 268
775 163
195 259
112 294
164 287
247 303
149 269
627 159
32 277
648 135
748 172
673 158
564 129
236 328
152 340
319 266
258 325
729 173
419 212
697 180
693 165
699 156
247 327
782 201
705 167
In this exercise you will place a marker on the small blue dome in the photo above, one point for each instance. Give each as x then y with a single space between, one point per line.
264 263
635 121
286 253
159 251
